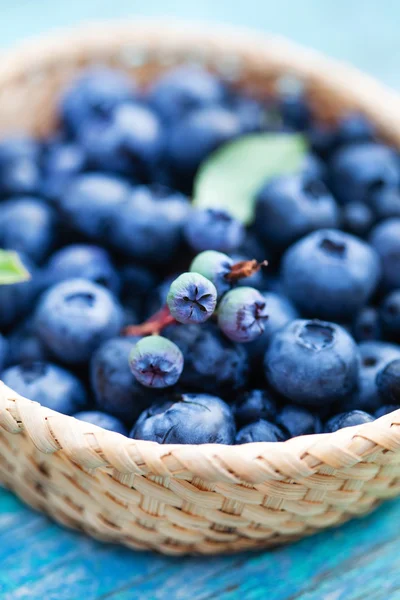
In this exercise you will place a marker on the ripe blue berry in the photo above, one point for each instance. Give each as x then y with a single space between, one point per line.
156 362
213 364
359 170
19 166
103 420
290 206
84 261
366 325
295 110
193 419
312 363
348 419
388 383
138 286
192 298
259 431
74 317
385 203
242 314
62 162
357 218
212 229
386 410
389 312
297 420
4 352
48 384
354 128
254 405
95 93
25 346
16 299
385 239
330 274
27 225
181 90
214 266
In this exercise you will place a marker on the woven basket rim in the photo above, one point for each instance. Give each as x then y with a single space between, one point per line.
91 447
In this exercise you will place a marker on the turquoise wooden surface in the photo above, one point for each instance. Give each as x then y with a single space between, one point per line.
41 561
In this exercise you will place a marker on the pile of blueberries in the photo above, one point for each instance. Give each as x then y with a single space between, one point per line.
100 215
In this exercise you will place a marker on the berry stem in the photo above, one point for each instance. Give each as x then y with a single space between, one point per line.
153 326
244 268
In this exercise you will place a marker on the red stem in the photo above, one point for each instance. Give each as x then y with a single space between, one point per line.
153 326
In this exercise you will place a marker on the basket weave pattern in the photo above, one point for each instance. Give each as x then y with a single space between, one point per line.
184 499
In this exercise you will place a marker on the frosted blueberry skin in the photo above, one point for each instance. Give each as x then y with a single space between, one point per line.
90 201
330 274
358 170
366 326
62 162
254 405
193 419
19 166
259 431
388 383
103 420
385 239
4 352
357 218
95 94
312 363
116 389
48 384
385 203
213 364
214 266
156 362
83 261
375 356
348 419
24 345
297 420
17 299
212 229
28 226
242 314
192 298
389 312
290 206
74 317
386 409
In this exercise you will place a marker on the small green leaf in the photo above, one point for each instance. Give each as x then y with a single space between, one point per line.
232 176
11 268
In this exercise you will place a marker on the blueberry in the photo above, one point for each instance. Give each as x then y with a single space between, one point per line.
213 229
84 261
312 362
354 128
17 299
213 364
156 362
386 410
62 162
374 358
348 419
259 431
280 312
357 218
48 384
27 225
388 382
330 274
385 239
95 93
74 317
193 419
116 389
360 170
138 284
242 314
296 420
149 227
19 166
252 115
322 139
192 298
290 206
103 420
184 89
130 142
91 200
389 312
215 266
366 325
295 111
385 203
314 168
254 405
193 138
25 346
4 352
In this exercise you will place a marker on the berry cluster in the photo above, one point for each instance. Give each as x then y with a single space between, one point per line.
154 318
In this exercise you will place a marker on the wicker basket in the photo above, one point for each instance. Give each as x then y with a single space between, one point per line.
184 499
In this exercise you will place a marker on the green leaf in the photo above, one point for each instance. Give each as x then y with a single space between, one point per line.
233 174
11 268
